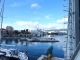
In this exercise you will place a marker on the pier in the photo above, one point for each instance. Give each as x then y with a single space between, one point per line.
44 41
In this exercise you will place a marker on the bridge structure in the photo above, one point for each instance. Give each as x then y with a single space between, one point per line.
73 36
56 30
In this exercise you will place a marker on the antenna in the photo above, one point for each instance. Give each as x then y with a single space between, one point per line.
2 11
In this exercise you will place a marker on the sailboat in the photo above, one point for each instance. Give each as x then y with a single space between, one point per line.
10 54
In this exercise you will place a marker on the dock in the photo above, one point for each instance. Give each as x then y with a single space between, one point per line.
43 41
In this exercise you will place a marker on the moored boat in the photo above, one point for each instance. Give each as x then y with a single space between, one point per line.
13 53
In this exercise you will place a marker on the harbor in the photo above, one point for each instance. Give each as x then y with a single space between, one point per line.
39 47
39 30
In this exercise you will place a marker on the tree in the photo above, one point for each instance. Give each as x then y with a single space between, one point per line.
23 31
27 31
7 32
16 32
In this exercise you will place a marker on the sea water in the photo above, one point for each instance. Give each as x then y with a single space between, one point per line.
36 49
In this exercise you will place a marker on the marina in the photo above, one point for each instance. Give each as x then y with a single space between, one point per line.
39 47
34 34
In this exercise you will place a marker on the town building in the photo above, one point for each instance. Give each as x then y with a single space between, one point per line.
9 30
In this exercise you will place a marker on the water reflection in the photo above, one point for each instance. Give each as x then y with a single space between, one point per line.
14 42
36 49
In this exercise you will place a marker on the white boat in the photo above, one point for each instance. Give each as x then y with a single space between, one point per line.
13 53
29 39
47 37
43 57
22 38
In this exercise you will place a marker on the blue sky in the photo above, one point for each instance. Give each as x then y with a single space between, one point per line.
33 14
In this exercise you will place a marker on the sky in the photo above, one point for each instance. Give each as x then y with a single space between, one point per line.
35 14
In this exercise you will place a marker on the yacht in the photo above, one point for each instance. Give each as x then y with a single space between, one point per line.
12 54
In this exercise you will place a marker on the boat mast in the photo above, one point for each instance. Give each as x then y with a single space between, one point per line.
1 15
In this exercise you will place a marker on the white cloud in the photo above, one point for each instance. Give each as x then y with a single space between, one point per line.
64 20
19 25
35 12
36 18
35 5
35 25
47 17
15 5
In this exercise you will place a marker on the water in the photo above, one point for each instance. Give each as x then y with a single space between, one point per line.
36 49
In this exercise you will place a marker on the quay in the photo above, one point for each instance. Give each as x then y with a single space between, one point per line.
31 40
44 41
